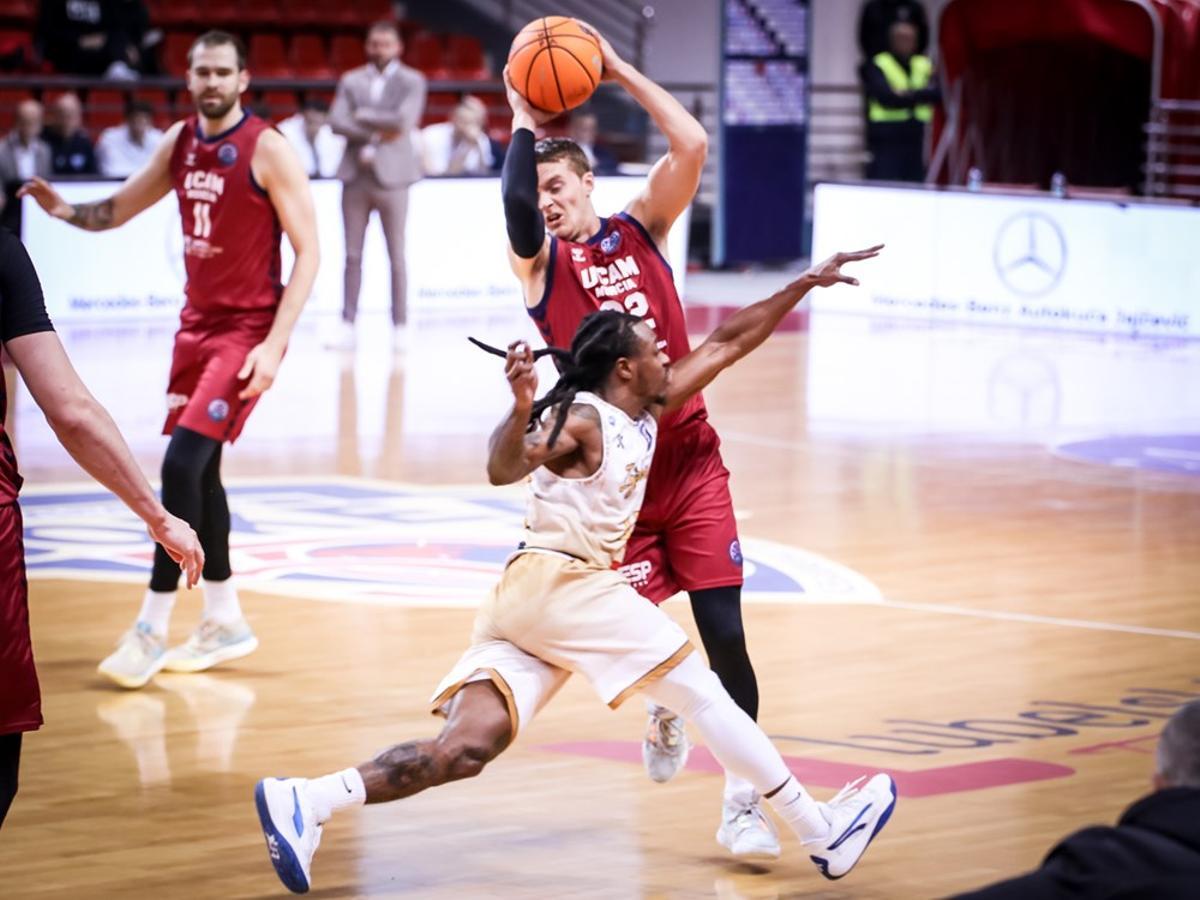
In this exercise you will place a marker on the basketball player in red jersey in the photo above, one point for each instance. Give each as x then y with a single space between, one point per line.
239 185
572 262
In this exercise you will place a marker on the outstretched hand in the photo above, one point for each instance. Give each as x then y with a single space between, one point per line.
829 272
521 375
47 197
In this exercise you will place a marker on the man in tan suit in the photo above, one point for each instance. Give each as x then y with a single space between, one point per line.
378 110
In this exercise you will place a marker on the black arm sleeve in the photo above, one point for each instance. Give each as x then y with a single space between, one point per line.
518 186
22 309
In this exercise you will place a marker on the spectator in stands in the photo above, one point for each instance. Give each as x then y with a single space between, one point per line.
23 154
1152 852
72 150
377 109
308 131
878 16
123 149
93 37
900 90
460 145
583 131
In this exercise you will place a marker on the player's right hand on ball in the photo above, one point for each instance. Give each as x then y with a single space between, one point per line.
521 375
47 197
182 545
522 107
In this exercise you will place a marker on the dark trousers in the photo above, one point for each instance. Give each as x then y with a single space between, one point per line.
10 763
897 151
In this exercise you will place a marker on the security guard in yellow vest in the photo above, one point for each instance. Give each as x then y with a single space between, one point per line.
900 94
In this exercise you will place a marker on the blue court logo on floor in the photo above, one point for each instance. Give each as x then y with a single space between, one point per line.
353 540
1176 453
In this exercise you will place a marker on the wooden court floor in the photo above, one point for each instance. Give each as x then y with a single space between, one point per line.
1040 620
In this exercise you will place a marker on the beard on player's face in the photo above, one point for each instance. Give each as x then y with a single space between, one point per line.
214 103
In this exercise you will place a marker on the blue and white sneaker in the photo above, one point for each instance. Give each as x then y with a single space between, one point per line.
210 644
290 827
856 814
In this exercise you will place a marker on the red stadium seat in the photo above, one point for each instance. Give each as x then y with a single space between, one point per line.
268 57
464 57
9 98
424 52
279 104
346 52
18 10
309 58
103 108
166 13
175 50
264 13
218 13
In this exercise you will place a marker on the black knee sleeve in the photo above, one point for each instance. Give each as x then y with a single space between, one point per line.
188 457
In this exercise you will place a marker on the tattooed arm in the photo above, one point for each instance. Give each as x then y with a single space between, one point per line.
140 191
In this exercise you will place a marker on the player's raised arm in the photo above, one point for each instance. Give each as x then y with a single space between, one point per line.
673 181
527 242
278 170
513 450
138 192
751 325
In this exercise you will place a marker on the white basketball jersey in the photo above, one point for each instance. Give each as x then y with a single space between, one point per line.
591 518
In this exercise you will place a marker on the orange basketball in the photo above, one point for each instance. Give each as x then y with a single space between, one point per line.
555 63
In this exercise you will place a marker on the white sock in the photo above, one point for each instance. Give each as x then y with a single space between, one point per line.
221 602
330 793
797 807
739 793
739 745
156 610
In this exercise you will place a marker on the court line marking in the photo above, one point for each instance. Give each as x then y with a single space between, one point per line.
936 608
1035 619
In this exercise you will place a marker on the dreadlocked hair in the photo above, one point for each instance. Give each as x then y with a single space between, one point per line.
602 338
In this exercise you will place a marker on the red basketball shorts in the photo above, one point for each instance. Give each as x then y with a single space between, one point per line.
686 538
20 699
202 392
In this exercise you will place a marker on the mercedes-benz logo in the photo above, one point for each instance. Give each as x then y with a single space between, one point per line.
1030 254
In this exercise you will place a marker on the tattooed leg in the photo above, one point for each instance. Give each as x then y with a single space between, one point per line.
476 732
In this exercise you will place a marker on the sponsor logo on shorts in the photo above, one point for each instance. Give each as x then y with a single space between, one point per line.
227 154
638 573
735 552
611 242
176 401
218 410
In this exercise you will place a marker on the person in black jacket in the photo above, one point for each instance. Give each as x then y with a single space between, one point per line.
1152 852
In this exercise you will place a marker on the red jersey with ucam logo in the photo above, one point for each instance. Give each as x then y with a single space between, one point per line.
231 232
621 268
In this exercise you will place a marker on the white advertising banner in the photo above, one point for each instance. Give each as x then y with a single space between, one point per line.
455 252
1037 262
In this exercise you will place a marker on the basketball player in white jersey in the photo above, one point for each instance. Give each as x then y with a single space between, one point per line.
562 607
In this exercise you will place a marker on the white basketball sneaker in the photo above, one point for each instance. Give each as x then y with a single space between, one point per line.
747 833
139 656
290 827
665 746
856 814
211 643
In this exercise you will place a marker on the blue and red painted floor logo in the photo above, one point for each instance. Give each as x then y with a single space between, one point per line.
361 541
